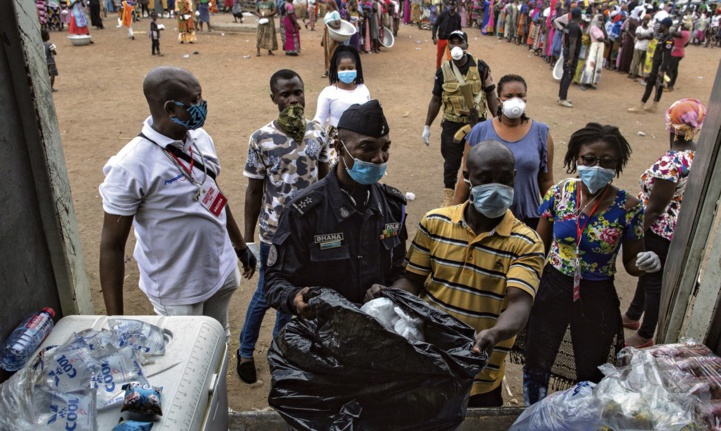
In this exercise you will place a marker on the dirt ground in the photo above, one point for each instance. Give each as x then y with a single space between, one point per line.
100 107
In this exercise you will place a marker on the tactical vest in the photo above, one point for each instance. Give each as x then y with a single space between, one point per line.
454 104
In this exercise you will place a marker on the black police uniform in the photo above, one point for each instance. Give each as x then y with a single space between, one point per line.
322 240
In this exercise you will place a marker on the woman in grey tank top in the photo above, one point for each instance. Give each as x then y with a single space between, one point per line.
531 144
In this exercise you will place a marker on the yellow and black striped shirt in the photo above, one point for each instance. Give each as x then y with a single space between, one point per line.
470 274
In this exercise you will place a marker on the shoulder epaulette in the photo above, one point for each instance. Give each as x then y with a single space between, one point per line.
394 193
305 202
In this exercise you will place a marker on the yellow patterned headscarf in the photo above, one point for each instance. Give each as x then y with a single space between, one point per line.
685 118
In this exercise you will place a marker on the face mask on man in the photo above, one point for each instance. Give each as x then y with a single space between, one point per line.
595 177
457 53
198 113
492 200
365 173
292 121
514 108
347 76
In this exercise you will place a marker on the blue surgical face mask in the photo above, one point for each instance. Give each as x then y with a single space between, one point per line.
347 76
492 200
595 177
365 173
198 113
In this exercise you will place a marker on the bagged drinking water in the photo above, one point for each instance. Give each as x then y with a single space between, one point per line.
145 337
64 411
116 369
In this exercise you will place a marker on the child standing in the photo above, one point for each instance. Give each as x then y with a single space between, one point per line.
155 34
50 53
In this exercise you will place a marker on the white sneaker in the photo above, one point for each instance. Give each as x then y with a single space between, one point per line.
565 103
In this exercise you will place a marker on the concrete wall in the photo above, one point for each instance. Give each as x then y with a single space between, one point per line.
491 419
40 254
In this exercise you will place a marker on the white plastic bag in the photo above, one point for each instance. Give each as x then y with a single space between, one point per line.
574 409
394 319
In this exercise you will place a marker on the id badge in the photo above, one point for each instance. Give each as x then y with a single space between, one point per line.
577 281
210 197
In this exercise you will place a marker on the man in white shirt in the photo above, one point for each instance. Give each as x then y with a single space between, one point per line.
163 184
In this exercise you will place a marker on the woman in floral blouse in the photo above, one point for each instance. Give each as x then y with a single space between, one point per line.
584 222
662 188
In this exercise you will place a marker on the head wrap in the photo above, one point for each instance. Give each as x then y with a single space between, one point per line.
685 117
366 119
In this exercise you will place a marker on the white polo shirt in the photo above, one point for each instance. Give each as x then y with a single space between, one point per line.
183 251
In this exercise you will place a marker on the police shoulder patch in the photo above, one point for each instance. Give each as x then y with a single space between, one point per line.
393 192
304 203
272 255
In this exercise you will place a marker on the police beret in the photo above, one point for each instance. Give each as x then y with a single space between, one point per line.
366 119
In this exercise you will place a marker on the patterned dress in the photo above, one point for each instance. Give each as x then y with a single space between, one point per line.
42 12
288 33
673 166
267 38
186 25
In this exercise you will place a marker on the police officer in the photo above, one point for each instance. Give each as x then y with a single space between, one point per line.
452 78
345 232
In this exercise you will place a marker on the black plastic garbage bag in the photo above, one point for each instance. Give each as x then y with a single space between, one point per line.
343 371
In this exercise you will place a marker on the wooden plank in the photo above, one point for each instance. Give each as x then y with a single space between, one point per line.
702 314
29 77
693 228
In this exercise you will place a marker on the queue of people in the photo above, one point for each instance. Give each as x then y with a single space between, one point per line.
510 247
517 249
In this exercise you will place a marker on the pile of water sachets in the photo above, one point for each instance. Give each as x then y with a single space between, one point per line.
690 367
671 387
65 385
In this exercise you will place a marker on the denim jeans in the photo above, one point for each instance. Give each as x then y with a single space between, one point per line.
256 311
110 6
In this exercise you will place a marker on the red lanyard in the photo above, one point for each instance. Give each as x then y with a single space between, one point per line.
579 229
180 163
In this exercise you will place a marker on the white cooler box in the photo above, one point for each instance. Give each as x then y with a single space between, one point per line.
192 371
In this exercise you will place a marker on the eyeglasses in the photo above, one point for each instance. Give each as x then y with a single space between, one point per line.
606 162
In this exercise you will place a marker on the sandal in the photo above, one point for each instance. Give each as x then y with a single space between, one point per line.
325 75
246 371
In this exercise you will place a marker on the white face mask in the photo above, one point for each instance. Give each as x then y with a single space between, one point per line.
514 108
457 53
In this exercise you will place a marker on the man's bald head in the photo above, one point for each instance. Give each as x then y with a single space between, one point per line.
170 83
490 150
490 162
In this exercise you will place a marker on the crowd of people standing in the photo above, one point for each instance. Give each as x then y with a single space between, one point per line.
529 248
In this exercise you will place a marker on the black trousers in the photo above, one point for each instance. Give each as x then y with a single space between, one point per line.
673 69
452 153
652 80
489 399
155 46
647 299
595 322
568 72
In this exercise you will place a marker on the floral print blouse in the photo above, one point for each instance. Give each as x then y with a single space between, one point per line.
673 166
601 239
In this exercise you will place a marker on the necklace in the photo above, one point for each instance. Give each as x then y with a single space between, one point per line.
580 196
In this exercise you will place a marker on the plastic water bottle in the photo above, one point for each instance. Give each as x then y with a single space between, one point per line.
26 339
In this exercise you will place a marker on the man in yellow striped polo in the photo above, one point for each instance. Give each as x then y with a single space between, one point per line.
477 262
